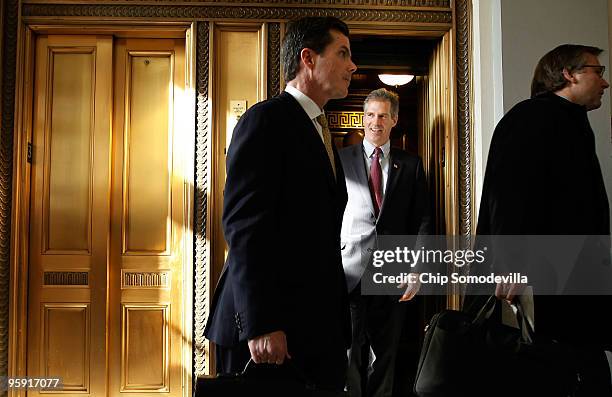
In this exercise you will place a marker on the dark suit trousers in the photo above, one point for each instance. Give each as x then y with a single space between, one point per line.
377 327
577 321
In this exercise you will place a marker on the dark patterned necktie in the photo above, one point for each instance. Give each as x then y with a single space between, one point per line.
322 120
375 181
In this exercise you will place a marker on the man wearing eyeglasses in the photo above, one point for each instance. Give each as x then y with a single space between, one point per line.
543 178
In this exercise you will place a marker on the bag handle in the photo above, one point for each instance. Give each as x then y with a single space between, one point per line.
294 367
527 332
485 312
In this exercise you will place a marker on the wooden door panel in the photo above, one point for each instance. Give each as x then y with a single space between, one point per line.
70 207
147 218
66 344
145 334
108 216
147 158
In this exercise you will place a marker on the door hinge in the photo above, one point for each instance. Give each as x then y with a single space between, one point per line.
29 155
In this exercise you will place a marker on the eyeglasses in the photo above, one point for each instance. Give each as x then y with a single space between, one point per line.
599 69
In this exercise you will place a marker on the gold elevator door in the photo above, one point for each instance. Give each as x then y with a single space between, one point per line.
108 216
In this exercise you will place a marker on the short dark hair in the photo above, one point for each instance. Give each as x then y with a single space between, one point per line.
548 74
309 32
383 94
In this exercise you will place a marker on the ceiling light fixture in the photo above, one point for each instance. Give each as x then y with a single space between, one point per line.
395 79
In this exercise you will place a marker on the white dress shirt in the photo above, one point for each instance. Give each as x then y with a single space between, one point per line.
311 108
368 153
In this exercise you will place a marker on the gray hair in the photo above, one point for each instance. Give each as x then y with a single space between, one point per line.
382 94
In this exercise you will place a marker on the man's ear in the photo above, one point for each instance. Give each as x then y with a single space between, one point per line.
394 119
569 76
307 57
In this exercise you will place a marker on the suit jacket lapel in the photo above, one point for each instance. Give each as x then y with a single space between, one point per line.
358 167
311 136
395 168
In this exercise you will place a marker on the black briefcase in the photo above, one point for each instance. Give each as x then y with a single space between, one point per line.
475 355
262 380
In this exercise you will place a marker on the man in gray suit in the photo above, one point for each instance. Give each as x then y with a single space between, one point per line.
387 195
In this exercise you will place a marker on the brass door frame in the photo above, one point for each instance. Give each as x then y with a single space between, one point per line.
18 304
451 170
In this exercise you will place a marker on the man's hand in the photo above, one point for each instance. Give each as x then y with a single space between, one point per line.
509 291
269 348
412 287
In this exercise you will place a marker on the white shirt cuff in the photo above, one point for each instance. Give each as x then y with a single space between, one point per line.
609 357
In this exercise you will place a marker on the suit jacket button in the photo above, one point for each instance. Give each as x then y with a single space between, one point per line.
238 322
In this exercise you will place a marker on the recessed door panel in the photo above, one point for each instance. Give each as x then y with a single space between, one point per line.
66 344
145 335
148 133
69 150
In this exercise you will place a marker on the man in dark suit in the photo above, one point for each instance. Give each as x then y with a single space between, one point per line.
387 195
282 292
543 178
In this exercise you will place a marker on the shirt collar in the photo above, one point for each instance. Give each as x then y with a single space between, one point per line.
369 148
562 101
311 108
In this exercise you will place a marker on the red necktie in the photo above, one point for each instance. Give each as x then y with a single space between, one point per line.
375 181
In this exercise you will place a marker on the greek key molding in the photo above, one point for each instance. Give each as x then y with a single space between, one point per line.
196 12
344 120
65 278
9 59
463 24
201 261
273 59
